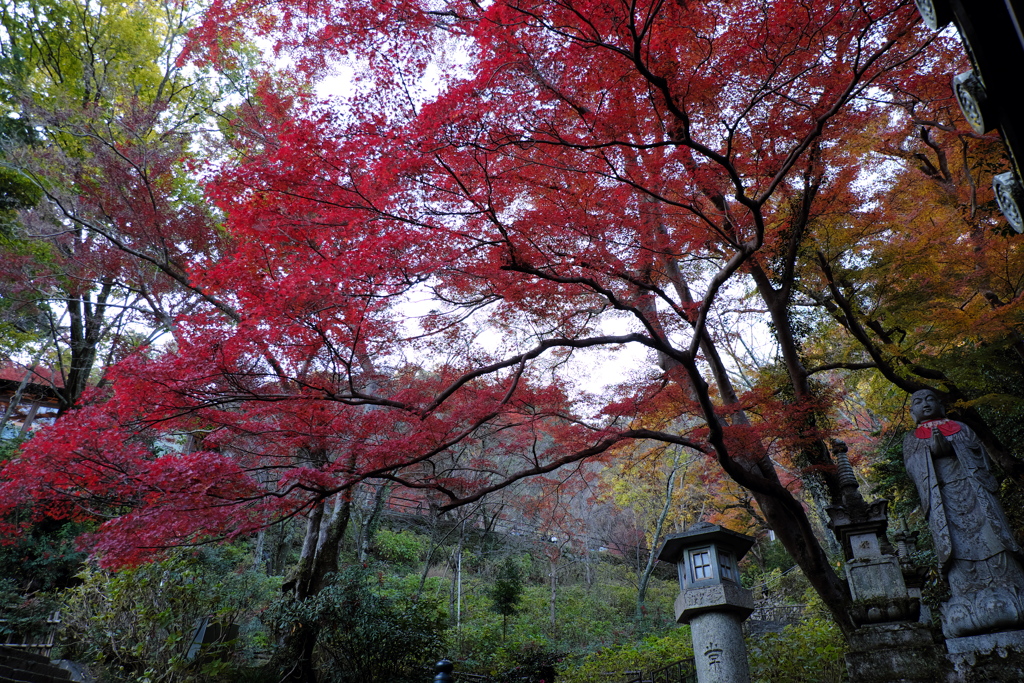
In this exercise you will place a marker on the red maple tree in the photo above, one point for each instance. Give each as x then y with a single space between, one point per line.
577 176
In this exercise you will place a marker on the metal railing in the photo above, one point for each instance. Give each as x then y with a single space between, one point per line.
40 645
683 671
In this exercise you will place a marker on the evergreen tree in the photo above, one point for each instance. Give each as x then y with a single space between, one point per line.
507 592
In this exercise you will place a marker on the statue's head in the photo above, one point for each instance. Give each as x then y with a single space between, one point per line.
926 405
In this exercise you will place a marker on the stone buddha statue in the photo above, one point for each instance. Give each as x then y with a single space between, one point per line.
978 555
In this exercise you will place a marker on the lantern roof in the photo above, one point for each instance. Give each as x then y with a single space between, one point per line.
705 533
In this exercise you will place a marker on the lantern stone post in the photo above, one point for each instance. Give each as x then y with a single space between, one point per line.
712 601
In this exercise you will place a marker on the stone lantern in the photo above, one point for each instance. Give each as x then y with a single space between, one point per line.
712 601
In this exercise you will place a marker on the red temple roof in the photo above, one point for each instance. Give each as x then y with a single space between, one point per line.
40 375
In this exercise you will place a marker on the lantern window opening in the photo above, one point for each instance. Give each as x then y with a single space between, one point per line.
702 567
708 564
727 567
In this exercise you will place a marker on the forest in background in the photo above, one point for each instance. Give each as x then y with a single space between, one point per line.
512 603
294 269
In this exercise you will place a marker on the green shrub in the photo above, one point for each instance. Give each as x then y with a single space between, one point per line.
649 654
809 652
398 547
138 624
368 632
43 557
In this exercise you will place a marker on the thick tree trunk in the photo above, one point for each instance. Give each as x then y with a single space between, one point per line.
820 475
757 473
370 523
797 536
259 553
318 560
300 641
814 454
87 318
754 470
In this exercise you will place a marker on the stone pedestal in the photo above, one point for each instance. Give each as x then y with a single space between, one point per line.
715 614
718 648
879 593
873 571
894 653
989 658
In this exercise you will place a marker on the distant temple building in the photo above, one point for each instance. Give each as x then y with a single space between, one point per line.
36 403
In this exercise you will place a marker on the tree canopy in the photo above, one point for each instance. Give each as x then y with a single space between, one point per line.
104 115
417 281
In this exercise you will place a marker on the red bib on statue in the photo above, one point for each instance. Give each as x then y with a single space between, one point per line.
946 428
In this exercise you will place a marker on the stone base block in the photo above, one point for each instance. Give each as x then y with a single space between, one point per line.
895 653
988 658
987 643
720 597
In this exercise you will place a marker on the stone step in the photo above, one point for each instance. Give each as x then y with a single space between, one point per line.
17 666
22 655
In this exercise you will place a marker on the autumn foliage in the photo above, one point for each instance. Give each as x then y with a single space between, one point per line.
411 274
